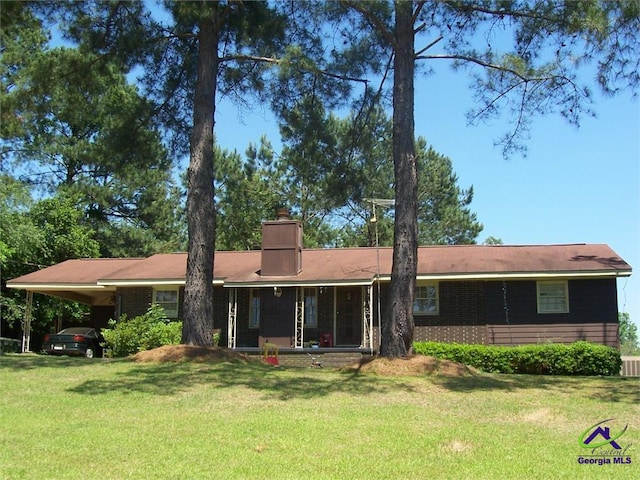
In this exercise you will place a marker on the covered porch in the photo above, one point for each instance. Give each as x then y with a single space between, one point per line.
302 319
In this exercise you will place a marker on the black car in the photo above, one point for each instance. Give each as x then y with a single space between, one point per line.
74 341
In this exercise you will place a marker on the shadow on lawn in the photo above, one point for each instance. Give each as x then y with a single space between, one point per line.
31 361
172 378
607 389
169 378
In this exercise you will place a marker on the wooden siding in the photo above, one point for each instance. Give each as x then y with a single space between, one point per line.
602 333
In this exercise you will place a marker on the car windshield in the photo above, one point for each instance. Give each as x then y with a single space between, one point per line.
77 331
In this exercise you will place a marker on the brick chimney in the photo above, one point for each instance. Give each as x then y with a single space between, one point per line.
281 246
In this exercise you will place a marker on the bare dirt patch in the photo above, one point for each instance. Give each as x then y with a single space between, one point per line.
190 353
455 446
413 365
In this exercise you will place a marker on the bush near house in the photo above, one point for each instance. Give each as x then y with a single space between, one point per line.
579 358
144 332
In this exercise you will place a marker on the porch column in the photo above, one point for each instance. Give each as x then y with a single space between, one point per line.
231 323
26 326
367 317
299 326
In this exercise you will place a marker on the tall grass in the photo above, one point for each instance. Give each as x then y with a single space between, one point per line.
63 418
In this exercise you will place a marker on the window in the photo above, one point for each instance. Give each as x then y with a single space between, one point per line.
167 299
553 297
310 307
426 299
254 308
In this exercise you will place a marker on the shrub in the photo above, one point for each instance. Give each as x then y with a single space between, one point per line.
131 335
579 358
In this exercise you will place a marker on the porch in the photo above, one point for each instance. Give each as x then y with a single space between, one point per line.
313 320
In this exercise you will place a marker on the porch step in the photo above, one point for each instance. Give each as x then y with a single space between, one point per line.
328 360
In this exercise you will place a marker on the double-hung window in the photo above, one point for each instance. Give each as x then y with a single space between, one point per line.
254 308
311 307
167 298
553 297
426 299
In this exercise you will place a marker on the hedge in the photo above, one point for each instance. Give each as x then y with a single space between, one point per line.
579 358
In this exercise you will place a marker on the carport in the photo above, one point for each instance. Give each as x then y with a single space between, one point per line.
54 282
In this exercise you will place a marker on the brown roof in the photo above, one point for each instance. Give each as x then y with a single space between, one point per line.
81 271
343 265
490 260
76 279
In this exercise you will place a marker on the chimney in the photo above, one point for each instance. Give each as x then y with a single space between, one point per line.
283 214
281 246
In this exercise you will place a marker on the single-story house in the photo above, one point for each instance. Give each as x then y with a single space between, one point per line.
288 295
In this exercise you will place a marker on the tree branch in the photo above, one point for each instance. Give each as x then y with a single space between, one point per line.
477 61
277 61
428 46
375 21
250 58
532 13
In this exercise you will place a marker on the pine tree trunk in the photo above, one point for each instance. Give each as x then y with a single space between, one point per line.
397 324
197 326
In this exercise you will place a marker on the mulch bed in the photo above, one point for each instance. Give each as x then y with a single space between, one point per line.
413 365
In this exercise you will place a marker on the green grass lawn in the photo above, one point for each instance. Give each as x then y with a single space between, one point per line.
114 419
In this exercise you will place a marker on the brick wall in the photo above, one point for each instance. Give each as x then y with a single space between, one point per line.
460 303
134 301
472 334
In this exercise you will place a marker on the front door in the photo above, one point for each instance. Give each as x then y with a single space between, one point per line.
348 316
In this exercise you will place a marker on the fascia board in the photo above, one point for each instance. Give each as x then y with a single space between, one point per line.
58 286
524 275
150 282
315 283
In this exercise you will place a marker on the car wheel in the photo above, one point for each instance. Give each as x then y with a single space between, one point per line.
89 353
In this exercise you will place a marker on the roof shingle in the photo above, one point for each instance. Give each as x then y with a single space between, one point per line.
344 265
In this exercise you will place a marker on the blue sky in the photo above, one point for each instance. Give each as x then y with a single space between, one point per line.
576 185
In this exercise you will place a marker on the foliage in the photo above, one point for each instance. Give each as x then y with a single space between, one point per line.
59 221
491 240
444 216
247 193
324 179
35 235
578 358
128 336
74 126
628 333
